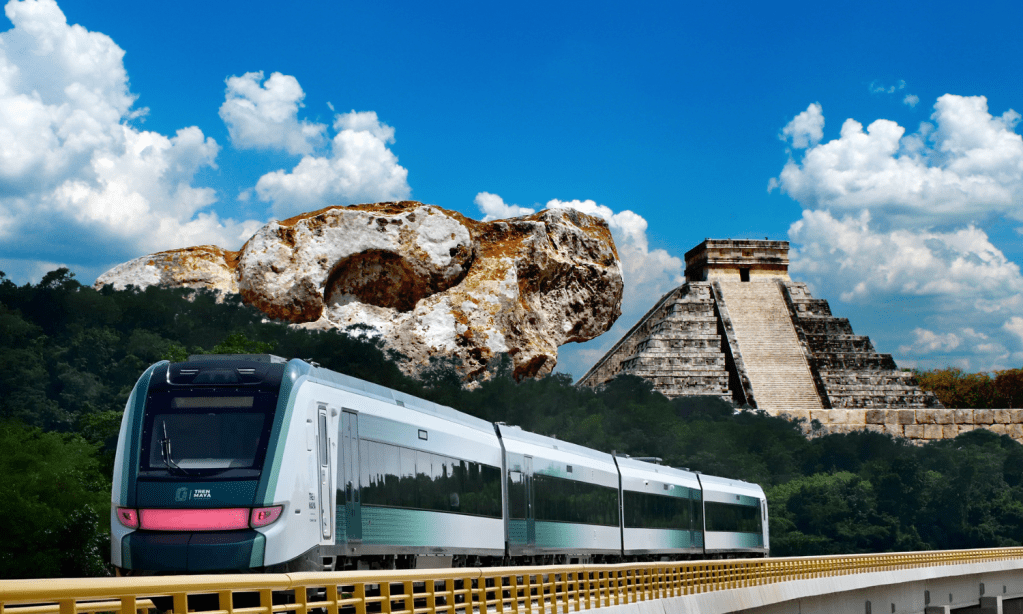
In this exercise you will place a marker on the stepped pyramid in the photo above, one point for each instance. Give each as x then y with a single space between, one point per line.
741 329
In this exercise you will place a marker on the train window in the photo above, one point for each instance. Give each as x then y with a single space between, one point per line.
485 499
364 474
561 500
654 511
210 435
401 477
424 483
729 517
516 495
389 463
406 484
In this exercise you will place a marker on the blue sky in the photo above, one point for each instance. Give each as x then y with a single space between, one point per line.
676 121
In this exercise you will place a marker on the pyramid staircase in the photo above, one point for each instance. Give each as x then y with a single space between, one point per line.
774 358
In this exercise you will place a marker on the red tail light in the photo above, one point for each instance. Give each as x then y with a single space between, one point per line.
195 520
263 516
128 517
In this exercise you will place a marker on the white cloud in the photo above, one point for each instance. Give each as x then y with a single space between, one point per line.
62 91
78 183
894 220
959 285
1014 325
494 208
879 88
805 129
266 116
359 168
364 121
965 168
909 100
928 341
848 254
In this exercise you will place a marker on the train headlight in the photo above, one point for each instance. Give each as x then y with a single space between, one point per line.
263 516
128 517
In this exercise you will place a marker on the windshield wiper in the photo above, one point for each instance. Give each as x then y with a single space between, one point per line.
165 452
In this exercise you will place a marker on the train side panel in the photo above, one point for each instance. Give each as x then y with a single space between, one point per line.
243 463
734 518
562 498
661 510
413 477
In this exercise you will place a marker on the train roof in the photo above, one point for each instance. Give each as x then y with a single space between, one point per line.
353 384
633 467
713 482
382 393
517 433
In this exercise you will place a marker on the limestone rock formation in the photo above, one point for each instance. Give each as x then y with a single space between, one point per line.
203 267
430 282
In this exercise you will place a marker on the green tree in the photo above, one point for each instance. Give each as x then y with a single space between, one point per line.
70 355
956 389
55 502
1008 386
832 513
238 343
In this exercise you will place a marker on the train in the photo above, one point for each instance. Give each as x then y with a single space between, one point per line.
255 463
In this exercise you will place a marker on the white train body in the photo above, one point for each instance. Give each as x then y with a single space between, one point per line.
239 463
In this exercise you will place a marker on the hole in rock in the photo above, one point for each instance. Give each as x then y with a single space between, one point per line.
380 278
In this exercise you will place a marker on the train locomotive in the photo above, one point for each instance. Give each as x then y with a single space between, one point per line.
256 463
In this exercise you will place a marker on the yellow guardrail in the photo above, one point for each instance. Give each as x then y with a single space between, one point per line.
503 590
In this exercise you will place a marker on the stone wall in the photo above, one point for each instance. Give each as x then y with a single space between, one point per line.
916 425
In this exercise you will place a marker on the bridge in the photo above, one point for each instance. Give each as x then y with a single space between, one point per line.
987 581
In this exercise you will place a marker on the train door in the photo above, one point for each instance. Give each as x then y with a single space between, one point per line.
527 472
323 447
350 506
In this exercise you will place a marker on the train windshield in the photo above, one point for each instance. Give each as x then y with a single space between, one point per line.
206 433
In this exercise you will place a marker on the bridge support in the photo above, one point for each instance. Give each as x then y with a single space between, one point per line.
988 605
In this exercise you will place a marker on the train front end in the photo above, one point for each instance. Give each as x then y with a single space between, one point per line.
190 484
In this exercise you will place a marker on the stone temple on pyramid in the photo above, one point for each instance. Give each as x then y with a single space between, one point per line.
741 329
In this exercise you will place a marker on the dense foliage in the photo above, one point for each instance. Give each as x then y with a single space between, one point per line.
54 499
69 356
956 389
